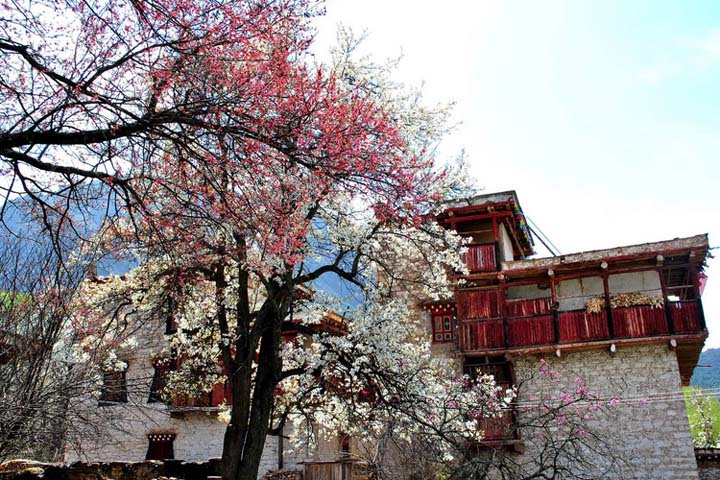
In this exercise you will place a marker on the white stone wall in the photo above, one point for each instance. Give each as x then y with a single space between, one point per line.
647 282
198 434
506 248
648 430
572 294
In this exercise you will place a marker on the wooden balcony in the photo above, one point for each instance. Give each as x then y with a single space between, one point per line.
581 326
532 323
498 429
639 321
481 258
220 394
686 316
482 334
534 330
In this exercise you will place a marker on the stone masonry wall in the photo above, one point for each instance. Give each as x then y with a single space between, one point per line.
648 430
198 434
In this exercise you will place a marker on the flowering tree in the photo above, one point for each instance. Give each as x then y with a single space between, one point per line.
702 408
559 435
240 171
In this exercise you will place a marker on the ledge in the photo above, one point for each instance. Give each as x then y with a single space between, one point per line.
589 345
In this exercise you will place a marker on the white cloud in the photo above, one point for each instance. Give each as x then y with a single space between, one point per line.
708 46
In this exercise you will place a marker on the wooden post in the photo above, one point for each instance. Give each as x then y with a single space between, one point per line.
554 306
696 289
608 309
501 307
496 237
280 449
666 302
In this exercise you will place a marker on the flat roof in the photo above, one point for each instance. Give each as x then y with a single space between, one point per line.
484 199
698 243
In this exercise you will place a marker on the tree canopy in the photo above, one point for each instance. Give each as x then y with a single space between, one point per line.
239 170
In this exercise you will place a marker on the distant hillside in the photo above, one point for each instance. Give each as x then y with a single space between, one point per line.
707 372
16 222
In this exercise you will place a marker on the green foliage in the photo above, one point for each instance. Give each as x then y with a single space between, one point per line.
704 416
12 299
707 373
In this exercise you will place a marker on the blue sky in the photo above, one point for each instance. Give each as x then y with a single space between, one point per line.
604 116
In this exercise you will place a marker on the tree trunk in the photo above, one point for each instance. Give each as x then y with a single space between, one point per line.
249 424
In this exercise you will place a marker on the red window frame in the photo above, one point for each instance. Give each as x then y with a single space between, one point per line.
163 367
443 324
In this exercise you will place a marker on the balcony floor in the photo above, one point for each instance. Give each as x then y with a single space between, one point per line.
688 349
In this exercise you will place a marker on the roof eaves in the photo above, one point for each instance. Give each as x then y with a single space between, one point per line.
696 242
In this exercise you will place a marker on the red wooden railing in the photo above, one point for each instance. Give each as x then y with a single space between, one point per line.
497 428
577 326
478 304
221 393
526 331
485 326
481 258
685 316
526 308
639 321
482 334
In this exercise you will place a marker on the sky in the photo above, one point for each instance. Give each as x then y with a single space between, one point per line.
603 116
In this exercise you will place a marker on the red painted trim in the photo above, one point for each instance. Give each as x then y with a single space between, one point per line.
521 351
443 331
482 216
484 206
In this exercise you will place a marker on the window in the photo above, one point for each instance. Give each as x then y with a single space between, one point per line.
498 367
679 283
160 446
344 445
114 388
170 322
442 326
496 429
647 282
159 380
528 292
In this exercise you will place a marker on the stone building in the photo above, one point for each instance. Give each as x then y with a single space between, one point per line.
142 426
628 321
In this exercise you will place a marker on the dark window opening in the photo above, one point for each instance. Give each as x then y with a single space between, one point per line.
114 388
498 367
159 381
678 284
170 323
160 446
345 445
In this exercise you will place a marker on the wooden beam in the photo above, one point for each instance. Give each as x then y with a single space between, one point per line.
683 340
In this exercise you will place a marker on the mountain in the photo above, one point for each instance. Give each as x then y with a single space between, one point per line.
707 371
20 227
